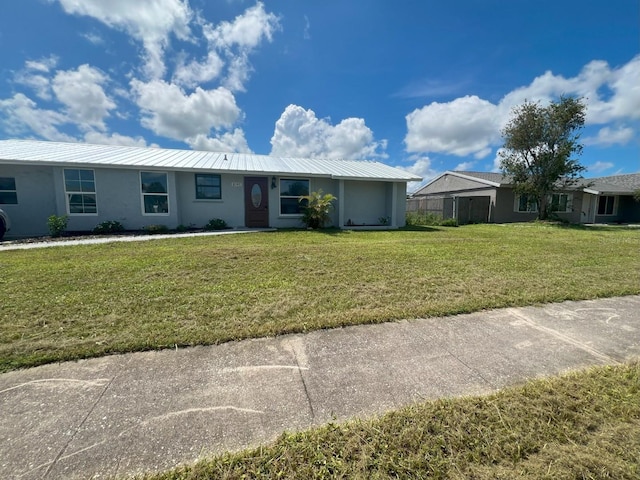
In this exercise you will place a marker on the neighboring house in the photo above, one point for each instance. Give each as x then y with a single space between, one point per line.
146 186
476 197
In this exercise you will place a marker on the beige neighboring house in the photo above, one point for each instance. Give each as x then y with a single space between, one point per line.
486 197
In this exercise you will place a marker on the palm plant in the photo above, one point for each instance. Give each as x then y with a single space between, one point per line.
315 212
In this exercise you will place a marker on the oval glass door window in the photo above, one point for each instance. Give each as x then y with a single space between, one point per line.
256 195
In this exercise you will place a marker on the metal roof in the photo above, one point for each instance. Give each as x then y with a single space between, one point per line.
58 153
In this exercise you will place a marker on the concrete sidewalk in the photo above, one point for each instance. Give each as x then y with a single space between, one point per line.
150 411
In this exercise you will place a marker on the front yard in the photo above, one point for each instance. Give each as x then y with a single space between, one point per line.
72 302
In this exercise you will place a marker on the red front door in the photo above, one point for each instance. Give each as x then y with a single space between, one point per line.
256 202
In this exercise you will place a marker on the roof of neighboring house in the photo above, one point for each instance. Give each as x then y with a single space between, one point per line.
82 154
612 185
615 184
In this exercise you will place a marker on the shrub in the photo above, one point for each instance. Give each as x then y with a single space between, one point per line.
216 224
57 224
110 226
419 218
449 222
315 214
156 229
182 228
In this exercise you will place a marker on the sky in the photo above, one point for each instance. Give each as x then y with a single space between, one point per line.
423 85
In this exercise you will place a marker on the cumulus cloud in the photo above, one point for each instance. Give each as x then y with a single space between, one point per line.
22 115
465 126
194 73
35 75
422 167
114 139
471 126
298 132
149 21
168 111
81 92
227 142
611 136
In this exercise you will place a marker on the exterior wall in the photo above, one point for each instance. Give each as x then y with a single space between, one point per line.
626 210
41 193
36 200
197 213
366 202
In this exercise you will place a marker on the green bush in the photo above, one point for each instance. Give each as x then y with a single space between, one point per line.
449 222
216 224
315 212
420 219
156 229
182 228
110 226
57 224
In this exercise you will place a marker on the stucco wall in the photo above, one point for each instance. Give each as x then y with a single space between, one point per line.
450 184
366 202
36 200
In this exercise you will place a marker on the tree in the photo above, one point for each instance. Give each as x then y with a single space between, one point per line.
540 144
316 208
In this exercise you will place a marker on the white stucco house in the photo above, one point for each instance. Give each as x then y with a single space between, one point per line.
139 187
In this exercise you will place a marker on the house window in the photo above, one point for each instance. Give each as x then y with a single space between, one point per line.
155 194
606 204
208 187
291 189
560 202
80 189
526 204
8 193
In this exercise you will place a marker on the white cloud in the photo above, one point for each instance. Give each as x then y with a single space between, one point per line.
23 115
611 136
227 142
167 110
600 167
237 39
471 125
34 75
462 127
114 139
81 92
246 31
149 21
422 167
298 132
194 73
464 166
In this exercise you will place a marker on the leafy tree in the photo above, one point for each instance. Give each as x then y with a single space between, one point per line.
316 208
539 146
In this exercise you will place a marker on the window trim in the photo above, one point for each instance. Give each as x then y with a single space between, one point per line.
69 193
144 194
531 207
280 196
205 199
614 207
14 191
568 205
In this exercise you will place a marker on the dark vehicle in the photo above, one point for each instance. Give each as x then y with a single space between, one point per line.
5 224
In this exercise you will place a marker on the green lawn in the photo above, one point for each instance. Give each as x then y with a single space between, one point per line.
585 425
64 303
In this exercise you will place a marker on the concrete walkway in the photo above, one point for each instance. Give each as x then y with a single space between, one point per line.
127 414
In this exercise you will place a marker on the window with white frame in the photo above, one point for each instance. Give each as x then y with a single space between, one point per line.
208 187
606 205
155 193
80 190
525 204
291 189
561 202
8 192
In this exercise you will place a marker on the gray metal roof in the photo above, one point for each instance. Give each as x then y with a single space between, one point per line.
57 153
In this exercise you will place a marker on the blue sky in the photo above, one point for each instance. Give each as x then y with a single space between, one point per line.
423 85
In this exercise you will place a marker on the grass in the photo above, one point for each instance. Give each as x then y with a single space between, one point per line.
73 302
585 425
